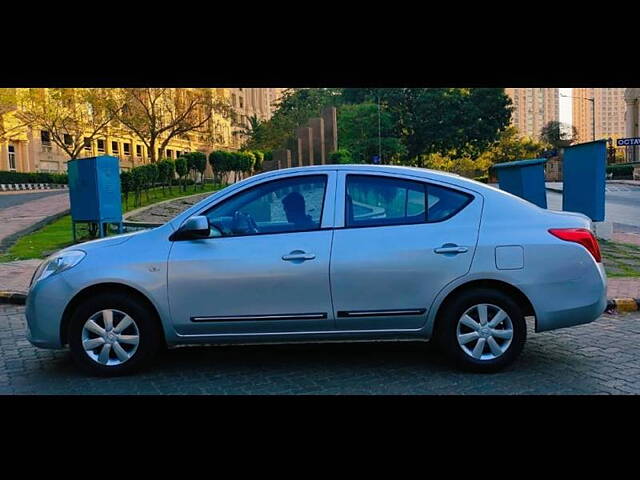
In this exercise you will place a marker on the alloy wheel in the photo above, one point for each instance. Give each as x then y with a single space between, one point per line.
484 332
110 337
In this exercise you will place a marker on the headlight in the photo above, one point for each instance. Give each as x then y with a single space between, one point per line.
57 263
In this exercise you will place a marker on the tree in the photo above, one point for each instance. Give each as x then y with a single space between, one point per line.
72 116
358 133
456 122
558 134
157 115
295 108
10 126
259 158
254 130
341 156
165 169
182 170
511 147
200 165
126 184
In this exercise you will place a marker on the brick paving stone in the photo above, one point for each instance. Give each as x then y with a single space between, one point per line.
597 358
627 237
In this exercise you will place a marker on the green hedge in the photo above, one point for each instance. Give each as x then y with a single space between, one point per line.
35 177
342 156
621 171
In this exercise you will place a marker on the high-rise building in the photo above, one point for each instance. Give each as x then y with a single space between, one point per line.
609 108
250 102
533 108
632 121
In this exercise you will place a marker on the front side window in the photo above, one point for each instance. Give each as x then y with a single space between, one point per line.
290 205
378 201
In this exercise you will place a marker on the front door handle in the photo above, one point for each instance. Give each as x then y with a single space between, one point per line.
452 249
298 255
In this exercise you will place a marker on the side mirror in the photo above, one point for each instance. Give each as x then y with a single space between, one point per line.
195 227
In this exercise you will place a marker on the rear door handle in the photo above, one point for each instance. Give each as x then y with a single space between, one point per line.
298 255
451 250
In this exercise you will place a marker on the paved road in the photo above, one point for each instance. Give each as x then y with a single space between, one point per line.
622 206
13 199
599 358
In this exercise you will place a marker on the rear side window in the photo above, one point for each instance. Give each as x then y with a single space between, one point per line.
378 201
444 203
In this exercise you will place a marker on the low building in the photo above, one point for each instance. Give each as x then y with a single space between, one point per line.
32 150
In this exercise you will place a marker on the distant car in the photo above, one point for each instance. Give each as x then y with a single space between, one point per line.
326 253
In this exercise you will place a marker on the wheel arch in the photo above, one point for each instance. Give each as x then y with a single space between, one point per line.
96 289
514 292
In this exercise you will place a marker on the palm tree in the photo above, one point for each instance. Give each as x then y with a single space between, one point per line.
252 130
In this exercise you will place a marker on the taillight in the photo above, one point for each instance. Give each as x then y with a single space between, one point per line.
579 235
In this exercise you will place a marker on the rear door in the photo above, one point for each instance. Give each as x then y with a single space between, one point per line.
398 241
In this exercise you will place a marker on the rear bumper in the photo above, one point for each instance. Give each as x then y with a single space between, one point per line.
569 303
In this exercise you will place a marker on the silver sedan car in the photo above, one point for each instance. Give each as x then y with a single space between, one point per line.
326 253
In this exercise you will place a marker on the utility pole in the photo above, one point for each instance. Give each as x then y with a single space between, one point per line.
379 132
593 112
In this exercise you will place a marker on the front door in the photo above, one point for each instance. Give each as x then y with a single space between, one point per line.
266 271
402 242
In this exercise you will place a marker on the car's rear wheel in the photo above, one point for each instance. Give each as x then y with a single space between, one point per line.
113 334
482 330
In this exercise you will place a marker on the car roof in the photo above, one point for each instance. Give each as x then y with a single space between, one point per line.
426 173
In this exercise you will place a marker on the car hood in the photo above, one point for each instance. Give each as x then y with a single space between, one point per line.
105 242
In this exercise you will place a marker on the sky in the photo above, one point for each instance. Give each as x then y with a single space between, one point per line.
565 106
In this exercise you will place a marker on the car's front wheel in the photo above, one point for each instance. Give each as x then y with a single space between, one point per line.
482 330
113 334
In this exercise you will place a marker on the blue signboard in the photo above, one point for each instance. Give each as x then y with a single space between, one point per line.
584 173
375 159
627 142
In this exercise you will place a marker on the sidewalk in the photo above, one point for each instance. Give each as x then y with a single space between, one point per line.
19 219
557 186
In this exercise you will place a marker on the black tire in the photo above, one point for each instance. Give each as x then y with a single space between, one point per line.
447 327
146 321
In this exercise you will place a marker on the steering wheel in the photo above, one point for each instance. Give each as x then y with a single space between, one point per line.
243 223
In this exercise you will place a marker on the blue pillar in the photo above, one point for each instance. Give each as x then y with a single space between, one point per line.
584 173
524 178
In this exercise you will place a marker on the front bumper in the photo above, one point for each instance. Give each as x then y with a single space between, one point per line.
45 306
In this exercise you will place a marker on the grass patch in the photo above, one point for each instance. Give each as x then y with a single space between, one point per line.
620 259
58 234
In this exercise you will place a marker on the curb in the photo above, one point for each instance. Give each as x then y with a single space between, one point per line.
622 305
14 298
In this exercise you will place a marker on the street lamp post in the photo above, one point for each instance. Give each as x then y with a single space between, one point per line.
593 112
